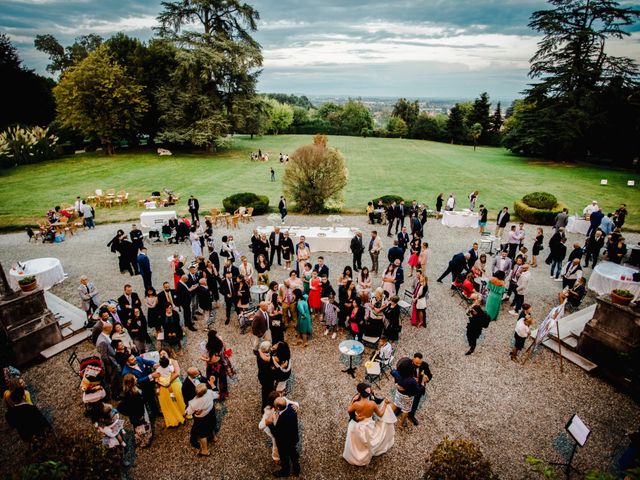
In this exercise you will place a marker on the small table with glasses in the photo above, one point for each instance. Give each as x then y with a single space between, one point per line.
260 291
351 348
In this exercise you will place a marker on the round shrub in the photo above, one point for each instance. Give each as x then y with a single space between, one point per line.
457 459
387 199
260 203
542 200
537 216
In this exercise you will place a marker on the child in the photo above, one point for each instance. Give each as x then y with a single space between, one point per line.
331 315
111 426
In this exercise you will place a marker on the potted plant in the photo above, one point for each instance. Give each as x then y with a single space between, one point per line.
28 283
621 297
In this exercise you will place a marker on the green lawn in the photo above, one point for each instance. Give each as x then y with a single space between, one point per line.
411 168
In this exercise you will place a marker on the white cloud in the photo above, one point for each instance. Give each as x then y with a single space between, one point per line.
88 24
470 52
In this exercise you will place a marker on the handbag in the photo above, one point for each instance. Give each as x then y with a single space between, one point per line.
421 303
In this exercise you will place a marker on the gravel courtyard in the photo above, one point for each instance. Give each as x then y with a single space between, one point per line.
509 410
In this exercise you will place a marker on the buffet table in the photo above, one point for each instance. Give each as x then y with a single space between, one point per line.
48 272
608 276
320 239
156 218
578 225
462 219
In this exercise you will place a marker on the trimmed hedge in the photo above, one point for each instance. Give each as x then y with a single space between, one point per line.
540 200
260 203
387 199
537 216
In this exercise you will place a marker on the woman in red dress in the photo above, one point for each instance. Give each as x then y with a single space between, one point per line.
315 292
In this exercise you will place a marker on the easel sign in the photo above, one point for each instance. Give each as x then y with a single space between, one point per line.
580 433
578 430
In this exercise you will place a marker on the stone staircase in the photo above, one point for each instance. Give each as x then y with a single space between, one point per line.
71 320
570 328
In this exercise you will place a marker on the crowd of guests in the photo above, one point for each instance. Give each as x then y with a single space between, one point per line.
139 338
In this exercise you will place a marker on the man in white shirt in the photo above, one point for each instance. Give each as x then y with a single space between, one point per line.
451 203
589 209
513 239
375 245
571 272
87 214
204 418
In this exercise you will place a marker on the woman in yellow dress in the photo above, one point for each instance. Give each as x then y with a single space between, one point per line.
170 390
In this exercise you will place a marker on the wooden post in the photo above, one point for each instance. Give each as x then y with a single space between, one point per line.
559 344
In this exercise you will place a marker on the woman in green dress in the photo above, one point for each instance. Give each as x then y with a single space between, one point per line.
303 327
496 290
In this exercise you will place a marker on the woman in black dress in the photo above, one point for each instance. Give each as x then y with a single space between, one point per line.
392 316
211 275
137 328
439 202
244 295
275 314
281 358
287 250
346 296
537 246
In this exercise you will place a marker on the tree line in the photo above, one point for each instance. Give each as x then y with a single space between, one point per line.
194 84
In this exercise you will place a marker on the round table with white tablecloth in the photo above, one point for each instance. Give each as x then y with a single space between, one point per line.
48 272
463 219
578 225
320 239
608 276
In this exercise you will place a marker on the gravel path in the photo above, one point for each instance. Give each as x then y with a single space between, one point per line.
508 409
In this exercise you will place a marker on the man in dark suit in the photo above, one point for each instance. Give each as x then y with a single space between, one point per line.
285 431
321 268
501 222
395 253
403 240
194 206
229 267
183 293
193 279
391 215
398 274
143 370
413 209
229 291
144 266
357 247
167 297
215 259
473 255
137 237
282 208
457 265
401 212
423 375
127 302
276 238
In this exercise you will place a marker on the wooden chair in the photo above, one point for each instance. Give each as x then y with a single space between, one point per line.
240 211
99 192
111 192
234 221
248 216
214 212
141 202
90 198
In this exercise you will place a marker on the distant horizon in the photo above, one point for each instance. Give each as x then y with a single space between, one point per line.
411 98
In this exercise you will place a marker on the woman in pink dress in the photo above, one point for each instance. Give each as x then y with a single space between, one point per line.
414 258
315 293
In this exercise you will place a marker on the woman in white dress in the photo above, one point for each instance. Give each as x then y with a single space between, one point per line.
269 410
367 438
195 242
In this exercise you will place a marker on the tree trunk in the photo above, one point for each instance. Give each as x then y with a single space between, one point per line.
211 148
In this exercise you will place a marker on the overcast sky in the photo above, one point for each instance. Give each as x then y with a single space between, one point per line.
420 48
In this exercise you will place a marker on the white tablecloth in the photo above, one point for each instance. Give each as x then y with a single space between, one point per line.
156 218
320 239
578 225
460 219
607 276
48 272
